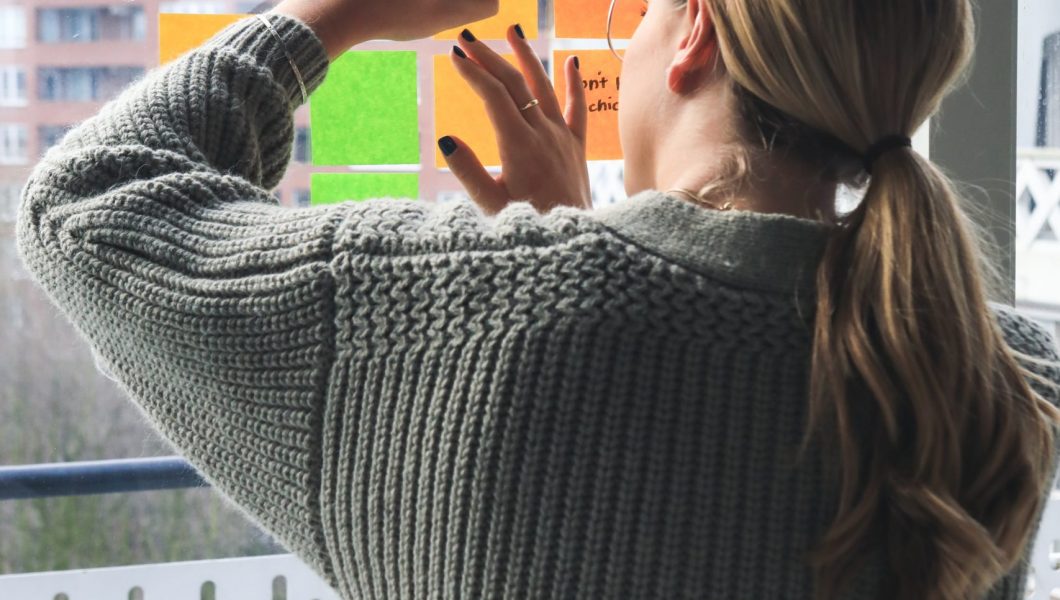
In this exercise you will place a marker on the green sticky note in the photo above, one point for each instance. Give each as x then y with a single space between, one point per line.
329 188
365 112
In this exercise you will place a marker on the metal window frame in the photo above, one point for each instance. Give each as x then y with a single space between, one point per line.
973 138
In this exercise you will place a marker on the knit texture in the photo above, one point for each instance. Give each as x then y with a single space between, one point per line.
424 402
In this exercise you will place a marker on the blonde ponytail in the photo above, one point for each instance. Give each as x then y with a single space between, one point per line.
952 465
943 448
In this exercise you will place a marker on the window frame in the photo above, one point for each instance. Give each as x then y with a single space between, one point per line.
973 138
14 144
14 86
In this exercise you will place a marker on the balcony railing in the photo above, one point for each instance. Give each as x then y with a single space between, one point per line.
279 577
97 477
1038 233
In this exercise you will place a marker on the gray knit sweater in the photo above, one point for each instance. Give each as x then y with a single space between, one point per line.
424 402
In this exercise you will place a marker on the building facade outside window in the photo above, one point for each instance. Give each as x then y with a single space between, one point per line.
10 193
12 85
49 135
301 145
13 144
12 27
91 24
211 6
83 84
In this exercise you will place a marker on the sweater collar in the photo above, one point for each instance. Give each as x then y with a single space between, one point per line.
764 252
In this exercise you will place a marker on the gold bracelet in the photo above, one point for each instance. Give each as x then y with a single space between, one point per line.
294 67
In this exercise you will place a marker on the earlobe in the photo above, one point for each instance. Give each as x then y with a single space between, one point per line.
679 77
674 79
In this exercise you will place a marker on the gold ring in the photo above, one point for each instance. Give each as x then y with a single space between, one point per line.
532 103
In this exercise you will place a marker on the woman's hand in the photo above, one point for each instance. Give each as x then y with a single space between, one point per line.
342 24
542 147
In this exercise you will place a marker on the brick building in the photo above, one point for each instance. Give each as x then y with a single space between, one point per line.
60 60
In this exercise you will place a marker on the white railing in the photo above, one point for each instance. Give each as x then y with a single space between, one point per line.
284 577
1044 578
279 577
1038 294
1037 185
1038 231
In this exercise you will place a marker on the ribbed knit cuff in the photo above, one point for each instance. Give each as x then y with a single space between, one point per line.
252 37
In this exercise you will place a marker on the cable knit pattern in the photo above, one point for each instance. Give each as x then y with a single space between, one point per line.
424 402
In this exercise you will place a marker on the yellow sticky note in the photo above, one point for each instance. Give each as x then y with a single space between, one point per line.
523 12
601 77
588 18
459 111
178 33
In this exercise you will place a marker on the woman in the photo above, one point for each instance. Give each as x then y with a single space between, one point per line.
718 389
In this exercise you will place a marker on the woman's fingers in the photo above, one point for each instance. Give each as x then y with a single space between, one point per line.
500 108
534 73
576 112
504 72
483 188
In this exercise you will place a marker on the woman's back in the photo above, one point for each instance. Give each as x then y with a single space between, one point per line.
585 410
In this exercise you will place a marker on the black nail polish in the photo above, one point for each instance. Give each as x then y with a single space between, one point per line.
576 65
467 35
446 145
459 52
519 31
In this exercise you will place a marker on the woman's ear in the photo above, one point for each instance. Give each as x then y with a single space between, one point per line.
696 51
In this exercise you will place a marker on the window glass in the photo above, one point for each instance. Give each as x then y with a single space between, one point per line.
1038 162
61 60
9 194
12 27
55 405
49 135
90 24
12 85
301 145
83 84
13 144
67 59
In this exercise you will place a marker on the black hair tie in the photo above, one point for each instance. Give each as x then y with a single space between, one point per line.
884 145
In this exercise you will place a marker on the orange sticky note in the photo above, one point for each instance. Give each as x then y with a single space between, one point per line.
588 18
601 76
459 111
178 33
523 12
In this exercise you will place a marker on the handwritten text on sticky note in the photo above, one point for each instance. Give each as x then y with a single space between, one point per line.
601 80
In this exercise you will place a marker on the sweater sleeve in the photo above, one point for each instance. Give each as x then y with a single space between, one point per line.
152 228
